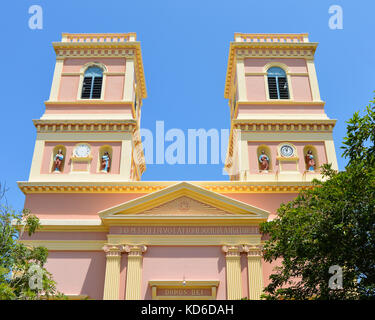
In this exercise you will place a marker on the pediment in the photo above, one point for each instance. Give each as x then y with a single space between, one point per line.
183 200
183 206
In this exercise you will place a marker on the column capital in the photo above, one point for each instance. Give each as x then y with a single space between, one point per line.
135 251
113 250
252 250
232 251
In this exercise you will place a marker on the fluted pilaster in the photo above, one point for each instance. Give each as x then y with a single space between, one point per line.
233 271
112 272
255 273
134 271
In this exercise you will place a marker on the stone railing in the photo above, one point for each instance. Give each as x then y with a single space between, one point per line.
98 37
278 38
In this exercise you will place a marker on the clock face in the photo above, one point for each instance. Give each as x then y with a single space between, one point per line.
286 150
82 151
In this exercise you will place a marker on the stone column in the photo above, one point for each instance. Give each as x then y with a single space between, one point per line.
112 272
233 271
255 274
134 272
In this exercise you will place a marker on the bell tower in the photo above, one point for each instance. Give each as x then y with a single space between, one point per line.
279 129
90 128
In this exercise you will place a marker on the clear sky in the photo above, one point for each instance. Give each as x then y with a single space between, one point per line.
185 50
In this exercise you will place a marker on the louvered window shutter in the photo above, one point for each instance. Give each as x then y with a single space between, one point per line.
277 83
92 83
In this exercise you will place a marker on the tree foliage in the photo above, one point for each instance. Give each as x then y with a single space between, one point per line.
332 224
22 272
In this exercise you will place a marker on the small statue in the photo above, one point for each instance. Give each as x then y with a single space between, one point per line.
264 162
57 161
105 164
310 162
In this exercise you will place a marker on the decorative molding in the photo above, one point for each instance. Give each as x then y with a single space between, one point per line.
94 126
284 125
257 188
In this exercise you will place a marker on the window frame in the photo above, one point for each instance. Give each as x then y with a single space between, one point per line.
82 76
285 68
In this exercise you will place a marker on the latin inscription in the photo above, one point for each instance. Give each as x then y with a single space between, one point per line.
184 230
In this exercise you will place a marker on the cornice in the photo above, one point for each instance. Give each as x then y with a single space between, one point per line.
146 187
274 125
94 126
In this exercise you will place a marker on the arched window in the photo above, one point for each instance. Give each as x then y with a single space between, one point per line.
277 83
92 83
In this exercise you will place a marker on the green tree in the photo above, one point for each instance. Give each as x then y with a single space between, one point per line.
332 224
22 272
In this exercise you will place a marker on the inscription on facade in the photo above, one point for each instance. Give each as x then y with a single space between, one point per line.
185 230
184 292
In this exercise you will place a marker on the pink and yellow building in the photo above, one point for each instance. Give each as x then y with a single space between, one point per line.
111 235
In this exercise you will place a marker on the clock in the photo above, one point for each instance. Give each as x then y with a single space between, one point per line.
82 151
286 150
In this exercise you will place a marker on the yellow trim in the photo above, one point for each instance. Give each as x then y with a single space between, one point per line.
54 93
184 189
147 187
313 80
185 240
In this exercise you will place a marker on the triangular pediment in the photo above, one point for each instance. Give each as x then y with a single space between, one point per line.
183 200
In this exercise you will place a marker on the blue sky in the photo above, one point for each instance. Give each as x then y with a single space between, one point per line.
185 50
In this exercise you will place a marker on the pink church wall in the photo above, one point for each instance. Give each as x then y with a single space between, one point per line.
68 88
295 65
78 272
65 236
244 109
89 109
173 263
94 167
255 87
74 205
301 88
267 201
253 158
72 65
114 88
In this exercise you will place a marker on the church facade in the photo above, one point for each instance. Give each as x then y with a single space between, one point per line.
111 235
